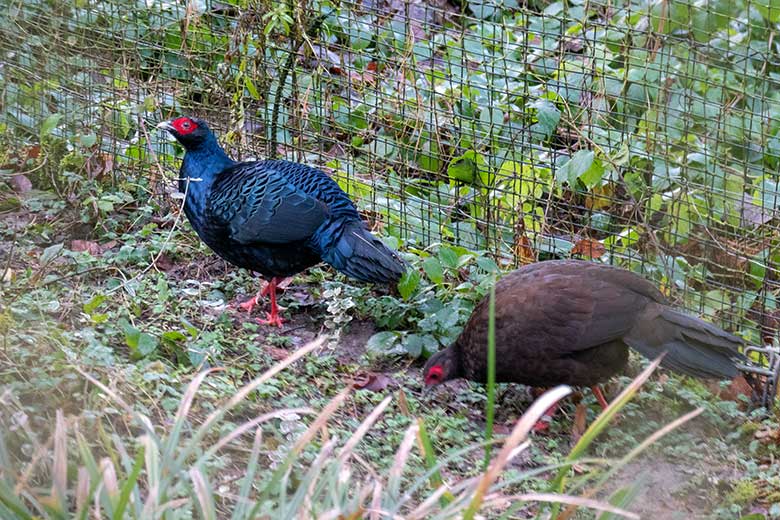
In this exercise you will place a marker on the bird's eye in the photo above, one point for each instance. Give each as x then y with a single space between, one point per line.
185 124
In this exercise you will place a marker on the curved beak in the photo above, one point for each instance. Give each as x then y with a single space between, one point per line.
165 125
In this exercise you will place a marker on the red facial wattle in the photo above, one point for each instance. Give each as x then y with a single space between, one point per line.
434 376
184 125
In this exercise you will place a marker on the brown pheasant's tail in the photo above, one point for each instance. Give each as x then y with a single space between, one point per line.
693 346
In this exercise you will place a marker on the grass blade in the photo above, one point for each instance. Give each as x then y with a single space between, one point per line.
519 434
59 475
364 427
239 396
204 494
130 483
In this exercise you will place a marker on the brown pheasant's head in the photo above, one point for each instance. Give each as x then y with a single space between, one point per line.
441 367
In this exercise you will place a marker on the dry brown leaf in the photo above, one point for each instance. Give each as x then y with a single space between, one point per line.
502 429
523 250
601 197
20 183
164 262
403 403
276 353
589 248
736 388
93 248
580 421
371 381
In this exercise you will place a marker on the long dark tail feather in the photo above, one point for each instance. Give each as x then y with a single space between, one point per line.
692 346
361 255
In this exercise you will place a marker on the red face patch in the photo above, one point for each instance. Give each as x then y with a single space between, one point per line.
184 125
434 376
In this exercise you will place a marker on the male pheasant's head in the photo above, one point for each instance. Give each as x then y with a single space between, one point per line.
191 132
441 367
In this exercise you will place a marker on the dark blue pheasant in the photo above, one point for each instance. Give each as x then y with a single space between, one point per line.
274 217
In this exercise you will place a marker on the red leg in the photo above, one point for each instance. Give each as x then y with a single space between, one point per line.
272 318
544 423
600 396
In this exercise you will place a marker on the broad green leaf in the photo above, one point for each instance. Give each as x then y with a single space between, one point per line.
417 345
575 167
49 124
491 120
383 342
467 167
548 117
94 303
50 253
769 9
487 264
408 283
448 257
433 269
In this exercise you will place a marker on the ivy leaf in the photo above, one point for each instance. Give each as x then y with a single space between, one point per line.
383 342
548 117
577 166
140 343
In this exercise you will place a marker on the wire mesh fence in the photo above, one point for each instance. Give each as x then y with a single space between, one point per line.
640 133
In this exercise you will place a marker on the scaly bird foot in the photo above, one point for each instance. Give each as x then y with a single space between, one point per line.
271 319
249 304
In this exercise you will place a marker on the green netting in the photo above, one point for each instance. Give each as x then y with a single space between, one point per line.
641 133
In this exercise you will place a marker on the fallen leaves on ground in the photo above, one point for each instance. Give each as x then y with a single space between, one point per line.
91 247
371 381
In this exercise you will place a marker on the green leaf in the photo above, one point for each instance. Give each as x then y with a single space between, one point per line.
487 264
408 283
88 140
49 124
467 167
140 343
491 120
769 9
173 336
418 344
383 341
448 257
593 175
94 303
147 344
548 117
433 269
768 196
250 87
50 253
575 167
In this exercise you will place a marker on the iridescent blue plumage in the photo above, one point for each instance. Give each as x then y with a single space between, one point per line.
275 217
